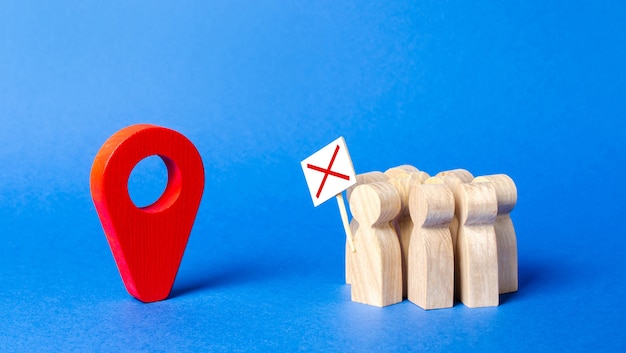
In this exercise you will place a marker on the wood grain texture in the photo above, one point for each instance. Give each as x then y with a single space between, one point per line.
462 174
401 171
361 179
402 178
431 255
419 177
476 257
452 181
147 243
506 193
366 178
376 264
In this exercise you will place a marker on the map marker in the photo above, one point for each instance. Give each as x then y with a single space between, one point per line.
148 242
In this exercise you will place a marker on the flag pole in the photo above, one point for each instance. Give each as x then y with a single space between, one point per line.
344 220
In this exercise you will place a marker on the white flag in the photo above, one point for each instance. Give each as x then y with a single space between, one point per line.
329 171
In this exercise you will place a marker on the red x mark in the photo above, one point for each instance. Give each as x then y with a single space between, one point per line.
327 172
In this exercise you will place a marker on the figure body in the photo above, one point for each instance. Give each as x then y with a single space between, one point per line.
376 265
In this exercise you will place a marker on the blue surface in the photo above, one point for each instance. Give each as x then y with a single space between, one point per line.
535 90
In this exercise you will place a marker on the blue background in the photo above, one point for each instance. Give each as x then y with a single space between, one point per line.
534 90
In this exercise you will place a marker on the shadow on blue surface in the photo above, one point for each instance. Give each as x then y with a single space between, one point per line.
539 276
233 274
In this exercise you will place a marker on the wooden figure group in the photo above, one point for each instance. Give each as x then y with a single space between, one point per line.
431 239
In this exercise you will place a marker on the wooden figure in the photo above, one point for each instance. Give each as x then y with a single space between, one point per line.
148 242
366 178
361 179
451 181
476 259
376 264
462 174
406 170
402 178
431 255
419 177
401 171
506 193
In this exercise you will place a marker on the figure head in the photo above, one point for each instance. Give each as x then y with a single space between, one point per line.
375 203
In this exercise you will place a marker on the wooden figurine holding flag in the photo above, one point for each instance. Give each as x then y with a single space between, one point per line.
377 265
361 179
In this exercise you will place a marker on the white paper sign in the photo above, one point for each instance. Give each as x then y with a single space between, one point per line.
329 171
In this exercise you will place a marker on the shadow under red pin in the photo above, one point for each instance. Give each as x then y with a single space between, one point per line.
147 242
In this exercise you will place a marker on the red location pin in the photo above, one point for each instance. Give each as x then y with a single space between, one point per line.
148 242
